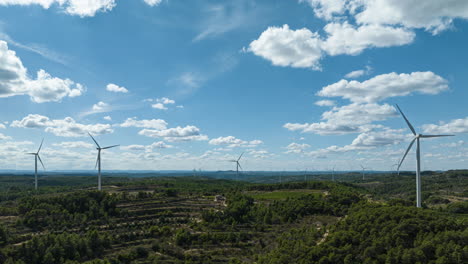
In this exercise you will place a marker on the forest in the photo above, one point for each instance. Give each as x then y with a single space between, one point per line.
199 219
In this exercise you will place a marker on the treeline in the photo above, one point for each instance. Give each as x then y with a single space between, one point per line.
380 234
57 249
242 209
66 210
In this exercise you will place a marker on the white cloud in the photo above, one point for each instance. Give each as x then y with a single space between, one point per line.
358 73
297 148
325 103
344 38
431 15
115 88
385 86
159 106
187 133
151 123
66 127
327 9
232 142
153 2
2 126
302 48
161 103
453 144
285 47
365 141
73 144
4 137
453 127
100 107
133 148
14 81
80 8
353 118
108 118
165 100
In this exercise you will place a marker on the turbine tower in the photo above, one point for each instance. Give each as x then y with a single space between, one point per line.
98 161
416 138
36 156
363 171
238 165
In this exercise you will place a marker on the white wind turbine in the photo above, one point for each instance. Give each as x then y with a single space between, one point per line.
363 171
238 165
98 161
36 156
416 138
333 173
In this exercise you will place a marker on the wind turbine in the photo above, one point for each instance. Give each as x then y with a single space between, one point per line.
363 171
36 156
416 138
98 161
238 165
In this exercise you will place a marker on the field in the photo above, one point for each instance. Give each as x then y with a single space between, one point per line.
178 220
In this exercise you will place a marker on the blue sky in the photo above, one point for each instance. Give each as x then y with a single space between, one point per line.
307 84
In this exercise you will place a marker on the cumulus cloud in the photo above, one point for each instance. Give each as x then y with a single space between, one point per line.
365 141
297 148
325 103
145 123
187 133
66 127
344 38
358 73
285 47
2 126
108 118
72 7
4 137
385 86
302 48
115 88
14 81
453 127
232 142
353 118
147 148
431 15
161 103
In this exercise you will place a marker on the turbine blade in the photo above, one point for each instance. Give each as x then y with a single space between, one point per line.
407 122
39 157
240 156
40 146
240 166
111 147
433 136
406 153
232 160
94 140
31 153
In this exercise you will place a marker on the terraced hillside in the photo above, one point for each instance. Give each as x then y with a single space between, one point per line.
201 220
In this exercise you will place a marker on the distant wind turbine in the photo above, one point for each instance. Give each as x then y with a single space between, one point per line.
36 156
238 165
363 171
416 138
98 161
